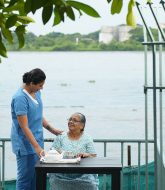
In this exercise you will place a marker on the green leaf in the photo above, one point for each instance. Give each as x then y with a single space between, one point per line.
131 21
2 19
47 13
25 19
37 4
28 6
57 18
131 4
12 2
85 8
59 2
2 50
61 11
59 14
33 5
21 40
1 2
18 6
20 31
11 21
70 13
7 34
116 6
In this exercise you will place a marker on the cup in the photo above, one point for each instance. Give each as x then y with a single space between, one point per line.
68 155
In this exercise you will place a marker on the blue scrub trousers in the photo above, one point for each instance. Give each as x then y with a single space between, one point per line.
26 177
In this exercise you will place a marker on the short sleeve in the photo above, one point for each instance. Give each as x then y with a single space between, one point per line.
57 143
20 105
90 146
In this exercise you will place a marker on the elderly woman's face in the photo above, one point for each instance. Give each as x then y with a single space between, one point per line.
74 123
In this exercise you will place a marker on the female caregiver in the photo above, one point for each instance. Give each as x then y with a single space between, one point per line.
27 128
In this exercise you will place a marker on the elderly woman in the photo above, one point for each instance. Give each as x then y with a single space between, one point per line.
81 144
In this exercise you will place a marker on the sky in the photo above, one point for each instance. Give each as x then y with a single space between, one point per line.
86 24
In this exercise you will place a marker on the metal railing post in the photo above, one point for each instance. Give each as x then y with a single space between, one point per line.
104 175
0 167
146 106
156 20
161 113
154 88
105 149
139 156
122 162
155 112
3 166
163 4
144 22
145 30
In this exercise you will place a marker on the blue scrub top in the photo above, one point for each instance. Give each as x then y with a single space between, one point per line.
22 104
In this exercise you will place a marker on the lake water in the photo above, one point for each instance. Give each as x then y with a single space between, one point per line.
105 86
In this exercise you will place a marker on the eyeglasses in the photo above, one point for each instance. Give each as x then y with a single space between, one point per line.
73 120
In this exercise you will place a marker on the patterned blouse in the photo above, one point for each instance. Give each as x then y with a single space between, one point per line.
80 181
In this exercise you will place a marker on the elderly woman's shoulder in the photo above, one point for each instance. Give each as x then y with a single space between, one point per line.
61 136
87 136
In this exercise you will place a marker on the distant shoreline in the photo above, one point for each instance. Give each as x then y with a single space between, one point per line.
76 51
77 42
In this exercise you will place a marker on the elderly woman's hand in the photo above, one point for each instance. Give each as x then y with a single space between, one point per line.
86 155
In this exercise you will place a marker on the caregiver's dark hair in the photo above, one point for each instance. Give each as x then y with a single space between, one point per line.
35 76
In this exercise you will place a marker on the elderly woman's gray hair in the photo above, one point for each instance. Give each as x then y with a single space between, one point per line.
82 118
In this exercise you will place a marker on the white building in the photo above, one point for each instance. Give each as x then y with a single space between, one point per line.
123 32
120 33
106 34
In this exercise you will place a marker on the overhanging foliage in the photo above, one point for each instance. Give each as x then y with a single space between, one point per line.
14 15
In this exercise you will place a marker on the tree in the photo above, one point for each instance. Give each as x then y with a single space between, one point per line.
14 15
